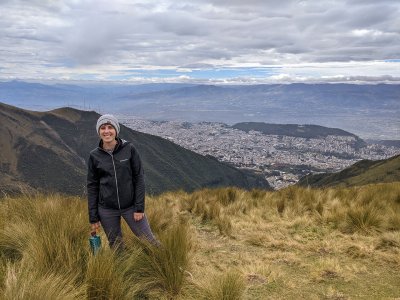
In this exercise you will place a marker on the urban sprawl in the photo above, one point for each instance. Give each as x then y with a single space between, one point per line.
283 160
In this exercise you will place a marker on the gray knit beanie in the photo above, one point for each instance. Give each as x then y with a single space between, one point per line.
108 119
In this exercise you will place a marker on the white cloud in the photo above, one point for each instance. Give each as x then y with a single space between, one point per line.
366 32
63 39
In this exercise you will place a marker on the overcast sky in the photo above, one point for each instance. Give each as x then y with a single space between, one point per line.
208 41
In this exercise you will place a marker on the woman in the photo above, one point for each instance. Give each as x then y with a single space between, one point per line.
115 184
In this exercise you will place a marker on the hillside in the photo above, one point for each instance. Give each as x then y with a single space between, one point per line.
304 131
231 244
38 147
361 173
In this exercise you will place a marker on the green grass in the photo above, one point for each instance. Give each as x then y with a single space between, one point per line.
335 243
361 173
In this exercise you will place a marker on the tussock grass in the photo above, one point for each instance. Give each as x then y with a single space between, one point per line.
42 231
390 240
163 269
24 283
227 196
361 218
224 225
393 220
332 293
256 240
103 280
327 269
211 207
228 286
335 243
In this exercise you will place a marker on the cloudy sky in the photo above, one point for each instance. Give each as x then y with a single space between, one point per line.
207 41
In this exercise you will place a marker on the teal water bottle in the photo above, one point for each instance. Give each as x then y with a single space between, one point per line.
95 242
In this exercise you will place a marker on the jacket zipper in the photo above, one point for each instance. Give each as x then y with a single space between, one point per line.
116 181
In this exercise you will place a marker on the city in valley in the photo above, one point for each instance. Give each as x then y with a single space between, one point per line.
282 159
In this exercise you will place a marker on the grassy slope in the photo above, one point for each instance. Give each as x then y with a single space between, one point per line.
362 172
301 254
294 243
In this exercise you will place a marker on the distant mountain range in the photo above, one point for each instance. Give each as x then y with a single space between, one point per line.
370 111
44 97
361 173
48 151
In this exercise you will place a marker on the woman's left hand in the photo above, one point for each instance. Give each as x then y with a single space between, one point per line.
137 216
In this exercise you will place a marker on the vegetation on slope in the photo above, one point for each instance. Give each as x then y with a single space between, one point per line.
304 131
334 243
362 172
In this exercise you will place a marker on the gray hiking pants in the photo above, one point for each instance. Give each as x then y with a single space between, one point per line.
110 220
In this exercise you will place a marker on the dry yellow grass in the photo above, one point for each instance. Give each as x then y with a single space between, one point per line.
218 244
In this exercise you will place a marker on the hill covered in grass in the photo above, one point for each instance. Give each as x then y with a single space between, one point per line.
304 131
38 147
296 243
361 173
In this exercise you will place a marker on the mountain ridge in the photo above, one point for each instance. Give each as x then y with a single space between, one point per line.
296 130
361 173
49 150
303 131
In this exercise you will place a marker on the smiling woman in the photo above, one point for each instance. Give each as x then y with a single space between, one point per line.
115 183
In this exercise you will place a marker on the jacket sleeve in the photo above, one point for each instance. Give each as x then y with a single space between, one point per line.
93 184
138 181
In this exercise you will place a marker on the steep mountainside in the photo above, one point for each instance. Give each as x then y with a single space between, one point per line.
49 150
362 172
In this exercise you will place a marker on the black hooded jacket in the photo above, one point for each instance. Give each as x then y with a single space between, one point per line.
115 180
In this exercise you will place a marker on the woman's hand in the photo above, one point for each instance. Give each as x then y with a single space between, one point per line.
137 216
95 226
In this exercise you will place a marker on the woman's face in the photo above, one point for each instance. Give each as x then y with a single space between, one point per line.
107 133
